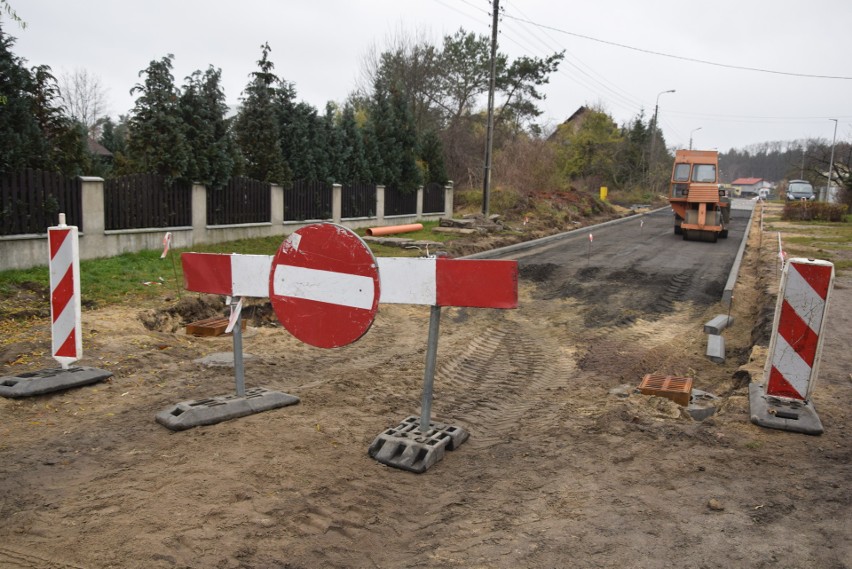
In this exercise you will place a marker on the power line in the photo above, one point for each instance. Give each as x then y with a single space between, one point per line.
680 57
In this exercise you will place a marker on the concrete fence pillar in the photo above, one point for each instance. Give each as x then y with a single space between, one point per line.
199 214
93 240
276 205
419 202
448 199
380 205
336 203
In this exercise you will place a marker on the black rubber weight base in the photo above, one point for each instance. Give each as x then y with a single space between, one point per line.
407 448
784 414
194 413
50 380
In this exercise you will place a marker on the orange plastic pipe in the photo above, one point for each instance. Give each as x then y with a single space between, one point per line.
391 229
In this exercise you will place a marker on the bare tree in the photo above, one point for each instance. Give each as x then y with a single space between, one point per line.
84 98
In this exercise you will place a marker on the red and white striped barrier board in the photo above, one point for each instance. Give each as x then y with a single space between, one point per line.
797 332
65 306
320 273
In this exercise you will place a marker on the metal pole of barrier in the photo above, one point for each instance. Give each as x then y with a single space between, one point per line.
429 375
238 352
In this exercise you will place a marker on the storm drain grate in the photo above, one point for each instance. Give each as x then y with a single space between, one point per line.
678 389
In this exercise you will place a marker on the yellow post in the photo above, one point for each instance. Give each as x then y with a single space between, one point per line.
603 193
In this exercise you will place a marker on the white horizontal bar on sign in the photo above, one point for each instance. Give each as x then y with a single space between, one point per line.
250 275
343 289
407 280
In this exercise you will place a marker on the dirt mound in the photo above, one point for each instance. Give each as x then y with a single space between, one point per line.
257 312
187 309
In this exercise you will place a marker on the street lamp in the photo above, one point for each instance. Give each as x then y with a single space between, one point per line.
831 162
690 136
654 125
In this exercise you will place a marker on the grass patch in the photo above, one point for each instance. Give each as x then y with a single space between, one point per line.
829 241
123 278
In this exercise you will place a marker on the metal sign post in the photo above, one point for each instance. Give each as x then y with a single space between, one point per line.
429 374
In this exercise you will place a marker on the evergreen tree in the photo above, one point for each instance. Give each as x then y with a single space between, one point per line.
157 139
203 108
330 147
382 131
65 139
299 125
354 166
432 156
396 139
21 140
257 128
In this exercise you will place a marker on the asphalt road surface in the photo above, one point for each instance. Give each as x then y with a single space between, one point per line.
634 267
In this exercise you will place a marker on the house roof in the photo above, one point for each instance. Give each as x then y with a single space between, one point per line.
96 148
746 181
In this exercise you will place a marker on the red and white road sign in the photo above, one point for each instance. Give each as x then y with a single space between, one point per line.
65 306
797 332
309 275
324 285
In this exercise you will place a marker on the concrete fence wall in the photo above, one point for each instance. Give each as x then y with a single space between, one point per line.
25 251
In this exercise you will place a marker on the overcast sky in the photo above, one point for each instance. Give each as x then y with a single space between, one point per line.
320 45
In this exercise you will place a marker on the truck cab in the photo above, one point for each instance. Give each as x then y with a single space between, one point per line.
702 208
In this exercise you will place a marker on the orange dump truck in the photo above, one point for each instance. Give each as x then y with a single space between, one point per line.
702 210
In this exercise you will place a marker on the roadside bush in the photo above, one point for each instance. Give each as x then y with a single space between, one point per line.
814 211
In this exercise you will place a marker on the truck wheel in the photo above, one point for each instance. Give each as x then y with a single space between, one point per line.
723 234
678 230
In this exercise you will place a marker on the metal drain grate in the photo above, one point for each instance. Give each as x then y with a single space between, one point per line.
678 389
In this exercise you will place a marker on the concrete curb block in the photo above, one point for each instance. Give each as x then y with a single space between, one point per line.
728 293
552 238
716 348
719 323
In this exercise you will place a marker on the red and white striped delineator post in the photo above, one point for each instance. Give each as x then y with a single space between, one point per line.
315 293
65 306
783 400
66 322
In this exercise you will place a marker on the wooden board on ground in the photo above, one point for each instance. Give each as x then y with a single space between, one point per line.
210 326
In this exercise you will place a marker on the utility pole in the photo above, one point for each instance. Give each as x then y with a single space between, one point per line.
831 162
489 136
654 132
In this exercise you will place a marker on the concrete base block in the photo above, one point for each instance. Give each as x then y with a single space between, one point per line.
50 380
719 323
406 447
782 413
194 413
716 348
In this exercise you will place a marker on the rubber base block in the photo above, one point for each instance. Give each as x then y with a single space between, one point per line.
188 414
50 380
781 413
407 448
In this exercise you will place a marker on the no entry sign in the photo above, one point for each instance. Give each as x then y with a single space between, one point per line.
324 285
